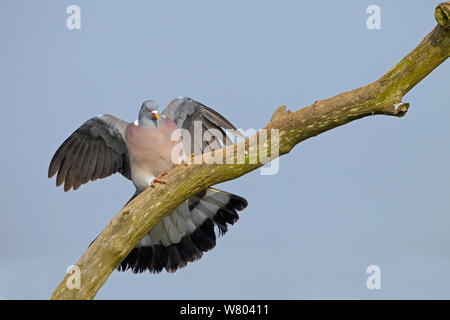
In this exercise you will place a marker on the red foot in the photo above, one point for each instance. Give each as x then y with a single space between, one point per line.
158 179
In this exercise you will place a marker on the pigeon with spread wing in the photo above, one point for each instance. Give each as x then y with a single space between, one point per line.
142 152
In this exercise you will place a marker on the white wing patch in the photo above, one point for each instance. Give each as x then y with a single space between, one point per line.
183 221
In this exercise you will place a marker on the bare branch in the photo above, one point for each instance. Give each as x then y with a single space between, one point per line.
382 97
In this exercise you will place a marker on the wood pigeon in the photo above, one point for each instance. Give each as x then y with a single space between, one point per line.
141 151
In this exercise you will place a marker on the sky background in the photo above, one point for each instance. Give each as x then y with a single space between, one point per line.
373 192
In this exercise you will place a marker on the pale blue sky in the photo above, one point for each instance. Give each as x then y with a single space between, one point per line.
375 191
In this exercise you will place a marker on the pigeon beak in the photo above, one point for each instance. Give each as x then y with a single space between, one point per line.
155 113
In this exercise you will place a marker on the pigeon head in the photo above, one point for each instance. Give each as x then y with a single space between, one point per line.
148 115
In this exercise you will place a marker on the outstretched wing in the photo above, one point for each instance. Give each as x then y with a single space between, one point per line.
185 112
95 150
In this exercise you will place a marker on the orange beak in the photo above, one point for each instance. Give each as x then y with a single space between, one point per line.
155 113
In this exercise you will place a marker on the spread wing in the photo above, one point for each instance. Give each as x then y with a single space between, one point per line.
186 112
95 150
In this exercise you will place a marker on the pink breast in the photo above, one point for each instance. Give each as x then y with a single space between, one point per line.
150 150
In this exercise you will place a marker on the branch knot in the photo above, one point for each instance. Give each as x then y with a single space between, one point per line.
442 15
280 112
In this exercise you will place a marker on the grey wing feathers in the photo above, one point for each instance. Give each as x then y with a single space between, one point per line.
95 150
185 112
218 119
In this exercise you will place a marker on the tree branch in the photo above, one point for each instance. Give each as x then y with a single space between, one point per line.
383 97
